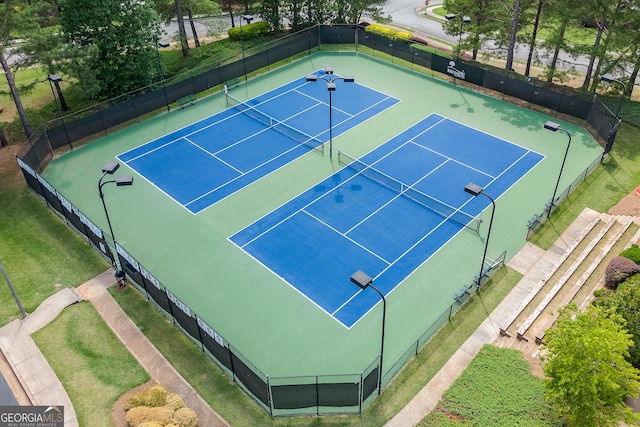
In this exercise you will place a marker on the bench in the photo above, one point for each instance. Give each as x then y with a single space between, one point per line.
534 221
232 82
186 100
462 294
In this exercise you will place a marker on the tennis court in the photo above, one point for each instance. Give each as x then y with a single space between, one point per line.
281 326
385 214
204 162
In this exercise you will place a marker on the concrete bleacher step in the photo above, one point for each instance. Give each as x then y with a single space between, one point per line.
539 284
604 254
551 294
583 251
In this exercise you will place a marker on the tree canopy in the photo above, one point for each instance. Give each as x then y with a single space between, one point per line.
113 44
585 360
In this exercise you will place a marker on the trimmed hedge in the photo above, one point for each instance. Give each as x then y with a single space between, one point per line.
157 407
249 31
381 30
633 253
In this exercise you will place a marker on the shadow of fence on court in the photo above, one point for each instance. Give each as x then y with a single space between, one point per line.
282 396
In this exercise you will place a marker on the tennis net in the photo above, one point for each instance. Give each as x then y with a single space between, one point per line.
445 210
273 123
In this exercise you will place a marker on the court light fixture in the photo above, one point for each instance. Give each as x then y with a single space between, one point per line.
109 169
475 190
162 44
554 127
247 18
62 105
463 20
363 281
610 78
331 80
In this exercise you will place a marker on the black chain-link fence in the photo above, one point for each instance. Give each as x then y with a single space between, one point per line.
319 394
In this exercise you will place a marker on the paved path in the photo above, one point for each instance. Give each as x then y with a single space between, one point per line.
533 263
34 382
38 384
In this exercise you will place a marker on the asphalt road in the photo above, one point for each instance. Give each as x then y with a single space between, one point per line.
404 13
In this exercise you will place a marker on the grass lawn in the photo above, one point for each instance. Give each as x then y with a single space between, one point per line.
618 176
239 410
479 396
39 252
91 362
41 255
34 89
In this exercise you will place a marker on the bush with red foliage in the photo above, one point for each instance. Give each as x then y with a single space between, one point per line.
619 270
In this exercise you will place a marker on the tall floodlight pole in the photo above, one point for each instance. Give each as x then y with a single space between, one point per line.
554 127
463 20
55 79
13 291
247 18
610 78
109 169
162 44
364 281
331 80
475 190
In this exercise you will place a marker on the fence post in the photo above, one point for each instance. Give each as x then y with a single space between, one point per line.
269 393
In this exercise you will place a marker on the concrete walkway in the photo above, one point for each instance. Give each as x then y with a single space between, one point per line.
38 384
34 382
533 263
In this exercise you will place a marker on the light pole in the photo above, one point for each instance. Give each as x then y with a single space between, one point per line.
463 20
109 169
56 79
610 78
554 127
247 18
363 281
163 44
13 291
331 87
475 190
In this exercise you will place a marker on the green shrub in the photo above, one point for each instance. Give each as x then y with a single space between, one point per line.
141 415
154 397
249 31
157 407
381 30
174 402
185 417
633 253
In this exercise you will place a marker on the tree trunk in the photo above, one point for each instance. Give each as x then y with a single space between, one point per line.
587 77
512 36
15 95
193 27
556 52
633 77
182 33
532 43
233 22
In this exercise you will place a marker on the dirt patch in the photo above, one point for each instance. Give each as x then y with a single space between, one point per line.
118 414
535 366
629 205
10 174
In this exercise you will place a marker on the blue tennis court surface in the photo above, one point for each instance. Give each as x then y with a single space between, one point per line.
204 162
378 214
